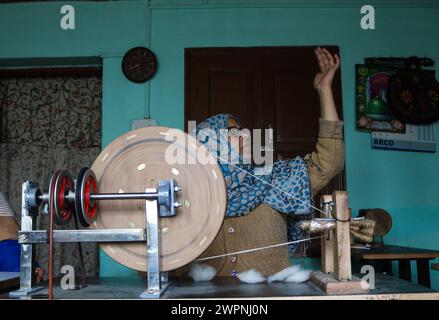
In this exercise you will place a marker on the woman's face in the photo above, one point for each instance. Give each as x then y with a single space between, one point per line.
240 139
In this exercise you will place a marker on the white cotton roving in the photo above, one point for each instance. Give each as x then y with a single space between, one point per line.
283 274
300 276
291 274
202 272
251 276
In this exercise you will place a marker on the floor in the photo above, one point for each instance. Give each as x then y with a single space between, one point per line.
387 287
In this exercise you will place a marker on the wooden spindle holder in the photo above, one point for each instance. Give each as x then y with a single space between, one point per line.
335 276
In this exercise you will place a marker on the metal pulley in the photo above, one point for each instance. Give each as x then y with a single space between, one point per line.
86 208
61 195
65 198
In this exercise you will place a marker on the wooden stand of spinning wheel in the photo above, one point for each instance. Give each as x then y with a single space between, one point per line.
336 276
136 161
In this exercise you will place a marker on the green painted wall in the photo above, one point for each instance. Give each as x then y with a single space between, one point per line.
404 183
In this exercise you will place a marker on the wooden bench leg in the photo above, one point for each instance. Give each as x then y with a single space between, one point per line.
383 266
423 270
405 271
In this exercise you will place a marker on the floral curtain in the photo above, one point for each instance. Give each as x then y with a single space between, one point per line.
48 124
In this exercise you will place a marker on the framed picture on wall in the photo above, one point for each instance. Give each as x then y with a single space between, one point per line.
372 110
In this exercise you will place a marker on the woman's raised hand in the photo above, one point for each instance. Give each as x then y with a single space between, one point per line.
328 64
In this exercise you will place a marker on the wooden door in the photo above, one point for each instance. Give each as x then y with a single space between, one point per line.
263 87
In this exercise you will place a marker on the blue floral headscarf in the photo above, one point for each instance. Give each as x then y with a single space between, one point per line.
285 189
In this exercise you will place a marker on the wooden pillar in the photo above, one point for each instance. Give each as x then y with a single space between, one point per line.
327 243
342 240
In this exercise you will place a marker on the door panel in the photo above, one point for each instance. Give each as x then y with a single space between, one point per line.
236 99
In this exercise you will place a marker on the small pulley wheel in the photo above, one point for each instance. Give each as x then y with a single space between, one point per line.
86 209
60 200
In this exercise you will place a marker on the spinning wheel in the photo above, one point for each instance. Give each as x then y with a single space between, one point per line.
155 200
136 161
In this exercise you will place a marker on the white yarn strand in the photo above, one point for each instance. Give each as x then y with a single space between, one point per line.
273 186
257 249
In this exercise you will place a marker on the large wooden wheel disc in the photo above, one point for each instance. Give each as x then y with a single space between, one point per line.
136 161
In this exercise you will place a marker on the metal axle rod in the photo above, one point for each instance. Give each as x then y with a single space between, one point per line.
124 196
109 196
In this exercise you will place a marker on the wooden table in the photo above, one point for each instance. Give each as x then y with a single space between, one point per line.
383 256
9 280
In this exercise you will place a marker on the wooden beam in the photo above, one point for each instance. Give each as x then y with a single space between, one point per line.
342 241
327 243
330 285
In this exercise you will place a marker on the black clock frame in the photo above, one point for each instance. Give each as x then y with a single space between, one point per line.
150 70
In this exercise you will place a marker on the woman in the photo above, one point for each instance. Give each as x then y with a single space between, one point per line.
264 210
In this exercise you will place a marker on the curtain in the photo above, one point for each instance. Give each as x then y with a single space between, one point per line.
48 124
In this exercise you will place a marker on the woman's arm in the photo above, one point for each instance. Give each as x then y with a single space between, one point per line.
328 158
323 81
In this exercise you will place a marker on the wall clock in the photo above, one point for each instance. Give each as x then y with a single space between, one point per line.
139 64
